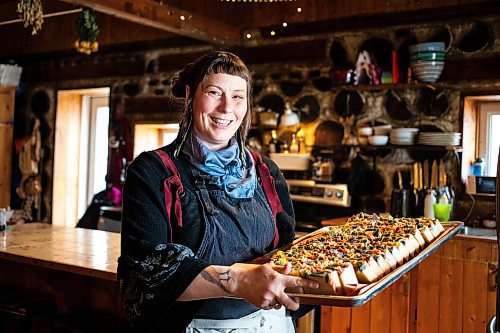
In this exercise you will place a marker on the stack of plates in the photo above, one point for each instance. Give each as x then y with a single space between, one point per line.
439 139
404 136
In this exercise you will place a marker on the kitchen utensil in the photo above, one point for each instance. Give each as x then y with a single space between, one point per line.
434 175
415 175
442 174
426 174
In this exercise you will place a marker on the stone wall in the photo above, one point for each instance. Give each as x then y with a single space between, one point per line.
302 84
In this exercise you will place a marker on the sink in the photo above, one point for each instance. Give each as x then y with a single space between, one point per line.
481 232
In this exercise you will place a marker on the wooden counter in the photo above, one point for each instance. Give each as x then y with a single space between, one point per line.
74 266
81 251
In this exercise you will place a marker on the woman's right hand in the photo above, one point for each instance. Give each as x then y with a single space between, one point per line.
264 285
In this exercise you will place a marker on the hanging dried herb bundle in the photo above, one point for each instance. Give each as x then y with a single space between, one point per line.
31 13
88 31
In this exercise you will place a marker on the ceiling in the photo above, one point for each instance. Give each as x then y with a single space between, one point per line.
133 25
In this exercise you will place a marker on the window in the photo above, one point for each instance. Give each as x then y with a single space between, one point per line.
152 136
489 136
80 152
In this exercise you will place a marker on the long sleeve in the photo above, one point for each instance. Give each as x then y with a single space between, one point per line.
152 272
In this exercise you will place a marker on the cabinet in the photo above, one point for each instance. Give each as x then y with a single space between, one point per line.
451 291
6 133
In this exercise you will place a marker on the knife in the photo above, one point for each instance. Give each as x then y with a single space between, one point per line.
442 174
434 175
416 181
426 174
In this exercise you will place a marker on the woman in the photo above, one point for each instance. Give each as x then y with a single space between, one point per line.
192 271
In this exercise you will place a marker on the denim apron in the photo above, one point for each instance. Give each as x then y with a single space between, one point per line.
235 230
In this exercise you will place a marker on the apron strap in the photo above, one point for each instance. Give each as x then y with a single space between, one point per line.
267 182
173 190
199 181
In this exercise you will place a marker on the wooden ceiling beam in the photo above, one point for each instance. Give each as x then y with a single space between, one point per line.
167 18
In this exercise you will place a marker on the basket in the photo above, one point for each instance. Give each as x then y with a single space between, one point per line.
10 75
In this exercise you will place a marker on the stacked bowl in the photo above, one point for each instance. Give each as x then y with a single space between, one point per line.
427 61
404 136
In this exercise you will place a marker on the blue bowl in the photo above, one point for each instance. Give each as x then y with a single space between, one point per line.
422 47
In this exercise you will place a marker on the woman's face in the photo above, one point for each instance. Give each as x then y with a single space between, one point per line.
219 106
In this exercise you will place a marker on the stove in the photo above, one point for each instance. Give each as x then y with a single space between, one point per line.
314 202
325 194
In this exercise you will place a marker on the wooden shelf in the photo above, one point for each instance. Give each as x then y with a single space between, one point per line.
391 146
391 86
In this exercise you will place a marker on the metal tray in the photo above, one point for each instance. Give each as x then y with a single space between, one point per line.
368 292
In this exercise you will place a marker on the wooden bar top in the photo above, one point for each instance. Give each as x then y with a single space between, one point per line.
82 251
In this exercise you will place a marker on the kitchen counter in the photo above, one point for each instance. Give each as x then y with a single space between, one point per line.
73 266
82 251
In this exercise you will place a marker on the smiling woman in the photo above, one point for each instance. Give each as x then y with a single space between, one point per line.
195 211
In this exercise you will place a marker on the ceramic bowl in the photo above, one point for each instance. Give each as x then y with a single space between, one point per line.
422 47
382 129
378 140
365 131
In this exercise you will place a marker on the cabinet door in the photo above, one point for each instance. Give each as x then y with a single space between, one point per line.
387 312
455 291
5 163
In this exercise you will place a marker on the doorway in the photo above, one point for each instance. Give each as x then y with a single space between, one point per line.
80 152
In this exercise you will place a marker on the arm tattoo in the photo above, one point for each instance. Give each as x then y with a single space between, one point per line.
222 277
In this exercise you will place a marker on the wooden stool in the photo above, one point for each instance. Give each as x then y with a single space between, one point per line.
91 321
21 307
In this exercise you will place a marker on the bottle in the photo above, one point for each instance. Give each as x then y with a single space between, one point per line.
429 201
273 144
3 219
477 167
294 144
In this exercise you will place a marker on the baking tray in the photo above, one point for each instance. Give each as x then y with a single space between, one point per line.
371 290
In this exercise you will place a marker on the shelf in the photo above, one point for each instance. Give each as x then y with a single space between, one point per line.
391 86
391 146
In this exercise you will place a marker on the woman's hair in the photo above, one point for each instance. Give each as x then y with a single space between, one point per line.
214 62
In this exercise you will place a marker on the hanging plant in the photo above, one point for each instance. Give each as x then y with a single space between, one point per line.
87 31
31 13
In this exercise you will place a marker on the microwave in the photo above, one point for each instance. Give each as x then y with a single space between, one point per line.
481 185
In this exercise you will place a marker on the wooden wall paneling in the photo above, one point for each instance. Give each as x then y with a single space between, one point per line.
360 318
6 137
380 316
475 297
340 322
478 251
400 305
413 306
428 295
6 132
7 104
451 291
326 319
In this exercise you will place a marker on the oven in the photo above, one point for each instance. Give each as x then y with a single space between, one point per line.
314 202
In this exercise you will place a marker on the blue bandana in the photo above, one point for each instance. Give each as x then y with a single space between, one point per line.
228 171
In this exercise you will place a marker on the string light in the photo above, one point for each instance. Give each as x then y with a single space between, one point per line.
273 32
285 24
249 36
183 18
299 9
266 1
